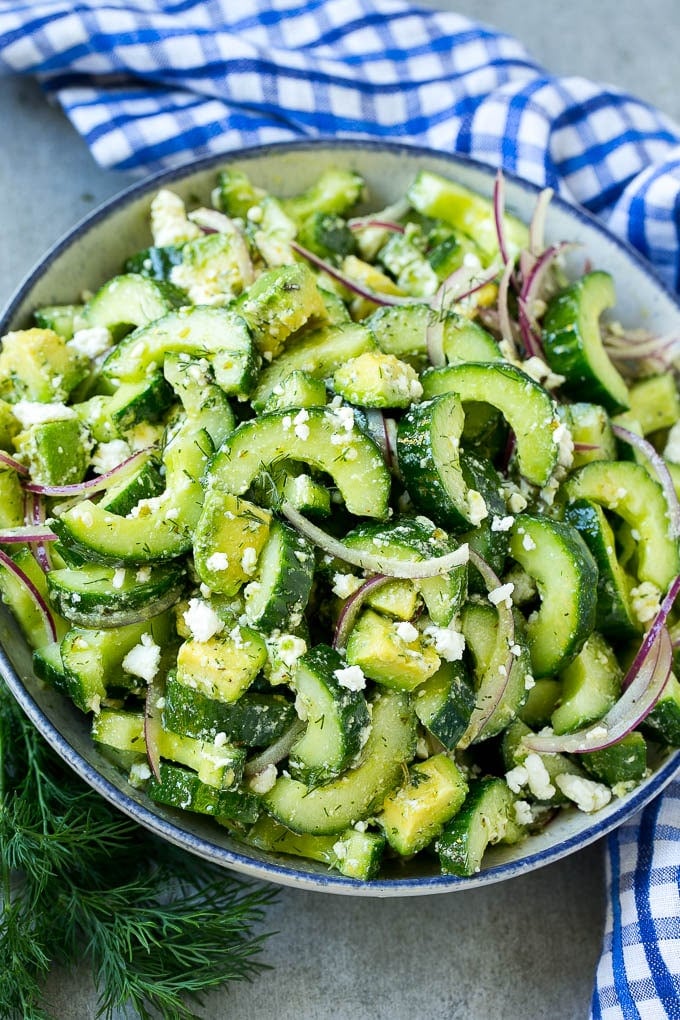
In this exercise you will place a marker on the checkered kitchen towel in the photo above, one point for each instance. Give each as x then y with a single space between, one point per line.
151 84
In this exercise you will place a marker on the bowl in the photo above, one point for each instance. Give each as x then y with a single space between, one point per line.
92 252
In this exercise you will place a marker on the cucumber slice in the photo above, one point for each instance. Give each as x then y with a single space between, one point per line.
590 426
414 814
557 558
218 334
19 600
162 528
334 191
624 762
525 405
663 722
205 403
415 540
486 817
318 352
614 614
299 389
181 788
285 576
628 490
444 703
338 722
128 301
428 438
401 330
591 685
359 791
317 437
59 318
655 402
254 720
573 345
354 853
103 597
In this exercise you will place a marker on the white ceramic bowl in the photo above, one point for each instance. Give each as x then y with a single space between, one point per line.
94 251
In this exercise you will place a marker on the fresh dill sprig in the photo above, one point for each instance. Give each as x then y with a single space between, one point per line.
80 881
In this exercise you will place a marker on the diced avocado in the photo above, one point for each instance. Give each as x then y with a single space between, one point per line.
210 271
374 379
9 425
11 499
57 452
299 389
376 646
655 402
397 598
414 814
228 540
224 666
280 302
37 364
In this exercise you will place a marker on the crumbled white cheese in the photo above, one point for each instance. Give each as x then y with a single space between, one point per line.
448 644
118 579
345 585
502 594
541 373
249 560
263 780
351 677
528 543
202 620
538 777
139 773
30 412
91 342
406 631
169 221
290 648
517 778
217 561
476 507
523 814
645 601
108 456
502 523
586 793
517 502
564 441
144 659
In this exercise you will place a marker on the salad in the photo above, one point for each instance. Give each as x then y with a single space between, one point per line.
356 533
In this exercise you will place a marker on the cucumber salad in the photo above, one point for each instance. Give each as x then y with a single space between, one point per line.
356 532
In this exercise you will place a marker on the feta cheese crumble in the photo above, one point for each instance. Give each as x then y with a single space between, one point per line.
351 678
406 631
144 659
449 644
502 594
202 620
91 342
588 795
217 561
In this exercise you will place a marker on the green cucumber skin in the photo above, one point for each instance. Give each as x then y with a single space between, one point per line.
287 583
572 344
182 789
483 819
87 598
359 791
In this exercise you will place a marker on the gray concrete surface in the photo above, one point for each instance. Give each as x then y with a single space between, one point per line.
524 950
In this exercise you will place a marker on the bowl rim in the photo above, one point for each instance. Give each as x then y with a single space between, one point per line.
282 874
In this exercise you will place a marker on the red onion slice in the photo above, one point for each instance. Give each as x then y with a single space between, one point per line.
504 320
30 533
493 688
462 283
92 485
375 564
275 753
383 432
630 710
499 214
657 624
10 462
39 601
152 727
350 284
351 608
660 470
376 224
537 224
41 549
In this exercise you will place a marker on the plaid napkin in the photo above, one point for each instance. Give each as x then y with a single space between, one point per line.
151 84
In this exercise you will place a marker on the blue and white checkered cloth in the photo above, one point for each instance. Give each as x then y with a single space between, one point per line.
151 84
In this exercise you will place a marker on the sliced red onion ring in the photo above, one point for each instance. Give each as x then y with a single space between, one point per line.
351 608
273 754
390 214
30 533
461 283
499 214
17 466
537 224
493 688
586 447
630 710
349 283
657 624
434 338
92 485
39 601
376 224
504 320
660 470
375 564
532 344
531 286
152 727
383 432
41 549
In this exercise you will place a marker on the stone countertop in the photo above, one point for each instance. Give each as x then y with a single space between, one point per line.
525 949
